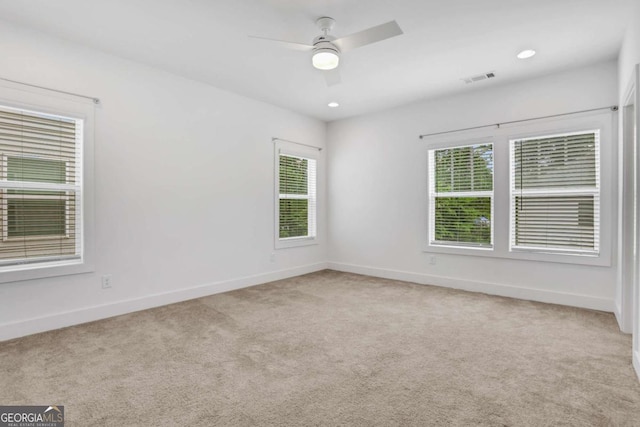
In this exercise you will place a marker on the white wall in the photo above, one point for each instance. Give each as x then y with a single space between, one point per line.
184 187
377 183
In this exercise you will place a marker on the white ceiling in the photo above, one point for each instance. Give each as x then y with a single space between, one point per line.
443 42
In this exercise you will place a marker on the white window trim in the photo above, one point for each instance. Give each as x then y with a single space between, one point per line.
433 194
577 191
607 124
28 98
284 148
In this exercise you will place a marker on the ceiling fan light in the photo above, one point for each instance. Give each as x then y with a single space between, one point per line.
325 59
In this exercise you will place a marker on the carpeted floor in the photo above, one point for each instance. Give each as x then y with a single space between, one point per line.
333 349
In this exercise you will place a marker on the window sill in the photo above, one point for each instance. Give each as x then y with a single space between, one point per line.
591 259
461 246
17 273
293 242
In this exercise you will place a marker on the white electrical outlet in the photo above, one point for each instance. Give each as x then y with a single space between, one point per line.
432 260
272 258
106 281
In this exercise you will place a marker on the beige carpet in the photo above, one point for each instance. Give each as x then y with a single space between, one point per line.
333 349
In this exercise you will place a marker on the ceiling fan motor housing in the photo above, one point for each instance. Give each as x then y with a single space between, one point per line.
324 42
326 55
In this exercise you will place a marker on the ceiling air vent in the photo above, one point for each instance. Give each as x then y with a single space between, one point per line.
479 77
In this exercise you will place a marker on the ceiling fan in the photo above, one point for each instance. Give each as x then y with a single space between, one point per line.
327 49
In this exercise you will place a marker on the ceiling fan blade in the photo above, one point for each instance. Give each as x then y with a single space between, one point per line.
368 36
289 45
332 77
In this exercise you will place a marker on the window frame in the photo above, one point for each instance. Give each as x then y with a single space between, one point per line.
433 194
280 149
40 101
549 192
606 122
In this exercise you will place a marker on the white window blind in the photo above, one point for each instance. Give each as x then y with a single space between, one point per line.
555 193
40 187
461 196
297 197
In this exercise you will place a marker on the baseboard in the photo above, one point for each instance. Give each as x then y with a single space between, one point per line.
574 300
624 325
90 314
636 362
617 311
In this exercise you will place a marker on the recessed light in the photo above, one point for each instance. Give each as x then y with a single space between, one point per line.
527 53
333 104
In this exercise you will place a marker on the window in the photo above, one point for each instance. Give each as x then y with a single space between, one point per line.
296 205
461 196
555 193
40 188
551 197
